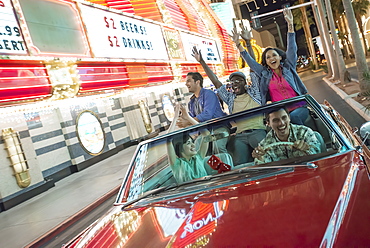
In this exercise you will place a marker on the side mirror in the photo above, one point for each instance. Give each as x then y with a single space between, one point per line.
365 132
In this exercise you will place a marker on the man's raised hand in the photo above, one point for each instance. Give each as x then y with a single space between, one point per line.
196 54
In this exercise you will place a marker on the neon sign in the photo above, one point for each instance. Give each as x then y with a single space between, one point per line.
199 223
207 46
192 226
11 41
117 36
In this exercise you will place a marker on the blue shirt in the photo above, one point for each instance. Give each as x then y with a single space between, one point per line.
206 106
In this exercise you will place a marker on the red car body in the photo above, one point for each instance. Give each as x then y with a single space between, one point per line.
322 203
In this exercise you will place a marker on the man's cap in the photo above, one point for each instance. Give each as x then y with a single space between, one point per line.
238 73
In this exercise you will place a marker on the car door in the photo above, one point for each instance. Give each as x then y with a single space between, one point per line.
350 132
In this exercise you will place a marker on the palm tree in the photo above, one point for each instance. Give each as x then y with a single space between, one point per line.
338 11
343 36
318 14
343 72
362 68
321 21
360 8
301 20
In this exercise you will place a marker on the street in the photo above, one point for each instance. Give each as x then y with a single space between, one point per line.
318 88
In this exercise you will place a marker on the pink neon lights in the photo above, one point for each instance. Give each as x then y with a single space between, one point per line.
23 83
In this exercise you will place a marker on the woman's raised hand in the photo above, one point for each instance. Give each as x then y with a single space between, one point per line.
288 15
177 109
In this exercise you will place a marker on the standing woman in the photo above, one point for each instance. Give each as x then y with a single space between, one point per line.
186 162
279 79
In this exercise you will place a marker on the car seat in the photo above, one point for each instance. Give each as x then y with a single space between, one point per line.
321 140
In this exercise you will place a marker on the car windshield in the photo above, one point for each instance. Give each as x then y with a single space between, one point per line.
221 147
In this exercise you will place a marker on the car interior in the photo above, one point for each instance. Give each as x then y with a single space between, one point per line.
156 171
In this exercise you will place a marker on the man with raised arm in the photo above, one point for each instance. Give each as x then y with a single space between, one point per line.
250 131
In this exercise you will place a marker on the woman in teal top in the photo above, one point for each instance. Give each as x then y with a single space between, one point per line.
185 161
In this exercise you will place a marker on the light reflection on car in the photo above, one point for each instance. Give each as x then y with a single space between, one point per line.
303 201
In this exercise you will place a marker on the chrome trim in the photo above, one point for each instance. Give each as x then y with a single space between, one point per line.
340 208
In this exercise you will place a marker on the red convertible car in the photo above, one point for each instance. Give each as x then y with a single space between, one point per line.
314 197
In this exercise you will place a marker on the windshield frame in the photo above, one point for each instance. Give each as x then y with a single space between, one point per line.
311 102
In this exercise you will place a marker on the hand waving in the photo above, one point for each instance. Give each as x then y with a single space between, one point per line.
196 54
288 15
177 109
245 33
183 111
235 36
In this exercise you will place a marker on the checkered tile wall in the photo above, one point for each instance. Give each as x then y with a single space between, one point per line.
48 130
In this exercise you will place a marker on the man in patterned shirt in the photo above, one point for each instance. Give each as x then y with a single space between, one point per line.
285 140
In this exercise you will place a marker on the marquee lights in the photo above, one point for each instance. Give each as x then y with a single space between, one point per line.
64 78
124 5
11 41
143 68
23 83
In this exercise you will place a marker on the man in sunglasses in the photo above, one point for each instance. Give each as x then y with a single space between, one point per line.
249 132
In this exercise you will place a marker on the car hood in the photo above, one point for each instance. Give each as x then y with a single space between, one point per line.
293 209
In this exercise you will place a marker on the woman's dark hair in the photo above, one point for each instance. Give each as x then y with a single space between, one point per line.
196 76
178 141
280 52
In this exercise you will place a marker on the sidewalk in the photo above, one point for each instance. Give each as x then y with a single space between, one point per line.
351 67
26 222
360 109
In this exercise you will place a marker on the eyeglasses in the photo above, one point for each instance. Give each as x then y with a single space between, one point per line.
237 81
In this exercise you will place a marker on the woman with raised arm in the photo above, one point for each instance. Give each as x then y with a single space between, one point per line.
185 161
279 79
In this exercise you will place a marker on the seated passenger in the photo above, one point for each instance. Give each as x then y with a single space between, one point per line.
285 140
185 161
